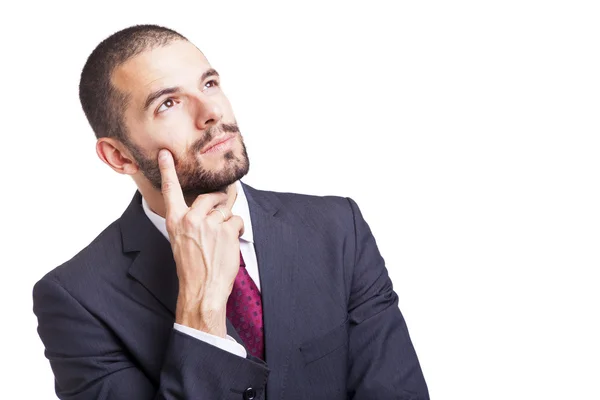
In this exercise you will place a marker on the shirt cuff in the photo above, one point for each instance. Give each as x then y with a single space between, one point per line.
228 344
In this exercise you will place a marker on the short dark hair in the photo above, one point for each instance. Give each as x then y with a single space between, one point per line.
102 103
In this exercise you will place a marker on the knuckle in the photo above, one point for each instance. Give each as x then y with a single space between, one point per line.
166 186
233 224
224 227
237 220
189 221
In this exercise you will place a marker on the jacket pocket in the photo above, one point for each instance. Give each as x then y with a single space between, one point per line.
322 345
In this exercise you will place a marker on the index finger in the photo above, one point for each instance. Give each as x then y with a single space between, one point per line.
170 187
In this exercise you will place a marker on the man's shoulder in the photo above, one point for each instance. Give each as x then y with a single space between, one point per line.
101 256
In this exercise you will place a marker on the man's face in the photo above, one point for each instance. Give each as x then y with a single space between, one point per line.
176 103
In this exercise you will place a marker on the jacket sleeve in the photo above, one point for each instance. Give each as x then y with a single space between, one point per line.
382 361
89 362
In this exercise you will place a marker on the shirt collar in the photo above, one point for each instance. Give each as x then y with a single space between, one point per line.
240 208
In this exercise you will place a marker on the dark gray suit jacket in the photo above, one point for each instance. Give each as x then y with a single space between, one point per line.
332 325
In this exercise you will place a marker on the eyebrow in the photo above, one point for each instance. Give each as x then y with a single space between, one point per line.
171 90
209 72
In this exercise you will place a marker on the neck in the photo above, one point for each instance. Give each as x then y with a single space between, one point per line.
156 201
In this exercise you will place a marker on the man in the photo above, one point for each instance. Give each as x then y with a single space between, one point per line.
206 288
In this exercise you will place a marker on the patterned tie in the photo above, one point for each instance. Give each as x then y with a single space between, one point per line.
244 310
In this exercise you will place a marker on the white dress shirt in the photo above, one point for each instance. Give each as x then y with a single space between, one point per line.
240 208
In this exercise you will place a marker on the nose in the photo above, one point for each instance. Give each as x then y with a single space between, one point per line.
208 112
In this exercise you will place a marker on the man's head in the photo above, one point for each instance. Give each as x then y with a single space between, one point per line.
146 88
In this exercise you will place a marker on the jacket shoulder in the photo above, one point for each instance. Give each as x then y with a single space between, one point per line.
104 252
316 211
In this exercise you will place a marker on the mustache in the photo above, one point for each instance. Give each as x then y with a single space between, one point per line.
211 133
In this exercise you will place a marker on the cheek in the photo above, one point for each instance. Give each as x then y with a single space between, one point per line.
174 135
152 142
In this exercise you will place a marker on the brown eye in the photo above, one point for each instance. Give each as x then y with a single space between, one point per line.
166 105
211 83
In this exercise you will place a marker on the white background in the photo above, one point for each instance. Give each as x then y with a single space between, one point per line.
467 132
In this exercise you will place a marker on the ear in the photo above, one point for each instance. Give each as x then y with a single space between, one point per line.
114 154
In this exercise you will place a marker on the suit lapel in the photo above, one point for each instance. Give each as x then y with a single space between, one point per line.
153 266
276 245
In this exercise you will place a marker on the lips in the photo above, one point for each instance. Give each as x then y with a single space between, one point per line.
217 141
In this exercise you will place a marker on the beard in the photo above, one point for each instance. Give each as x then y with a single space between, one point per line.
193 177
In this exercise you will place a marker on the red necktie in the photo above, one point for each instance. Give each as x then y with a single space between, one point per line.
244 310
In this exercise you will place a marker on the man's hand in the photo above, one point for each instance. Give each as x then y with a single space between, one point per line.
206 249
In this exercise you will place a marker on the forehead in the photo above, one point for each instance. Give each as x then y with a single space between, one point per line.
164 66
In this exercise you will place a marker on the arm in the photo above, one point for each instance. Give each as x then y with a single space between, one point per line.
382 360
89 362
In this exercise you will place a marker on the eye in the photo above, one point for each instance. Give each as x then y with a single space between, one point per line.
212 83
166 105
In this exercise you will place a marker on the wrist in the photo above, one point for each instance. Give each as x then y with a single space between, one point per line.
203 317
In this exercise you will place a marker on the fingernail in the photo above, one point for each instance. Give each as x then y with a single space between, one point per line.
162 154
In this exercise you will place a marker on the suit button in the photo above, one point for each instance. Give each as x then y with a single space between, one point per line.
249 394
